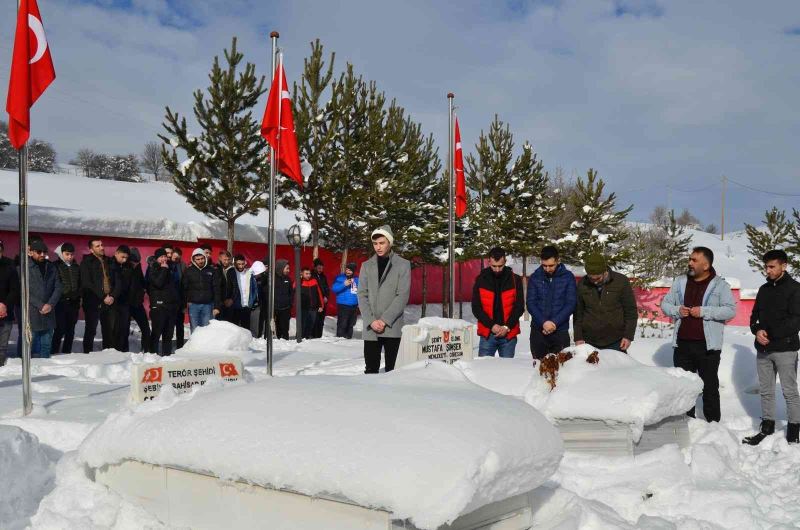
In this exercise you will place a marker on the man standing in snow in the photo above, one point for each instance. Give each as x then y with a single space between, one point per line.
310 302
700 303
69 305
551 301
382 298
319 274
497 303
178 267
227 284
163 299
284 295
44 291
97 286
605 310
123 273
345 286
9 298
775 321
136 300
201 287
245 296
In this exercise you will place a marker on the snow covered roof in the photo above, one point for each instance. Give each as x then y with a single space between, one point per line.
69 204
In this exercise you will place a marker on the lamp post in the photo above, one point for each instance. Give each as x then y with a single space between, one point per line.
295 236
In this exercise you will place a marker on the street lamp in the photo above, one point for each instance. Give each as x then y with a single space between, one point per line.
295 236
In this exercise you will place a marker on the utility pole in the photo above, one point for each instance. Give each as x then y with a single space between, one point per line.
722 209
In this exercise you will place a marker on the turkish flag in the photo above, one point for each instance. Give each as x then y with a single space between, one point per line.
458 166
31 71
277 127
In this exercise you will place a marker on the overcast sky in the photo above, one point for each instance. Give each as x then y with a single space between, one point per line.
653 94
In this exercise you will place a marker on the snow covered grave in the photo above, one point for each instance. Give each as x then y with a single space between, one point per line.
616 406
417 448
437 339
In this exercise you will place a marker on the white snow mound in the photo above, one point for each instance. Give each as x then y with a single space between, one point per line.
423 443
26 475
218 337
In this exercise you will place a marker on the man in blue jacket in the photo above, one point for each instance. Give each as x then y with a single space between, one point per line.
551 301
345 286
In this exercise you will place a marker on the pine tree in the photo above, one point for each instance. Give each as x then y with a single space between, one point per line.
41 156
598 227
675 247
316 122
9 158
776 234
225 171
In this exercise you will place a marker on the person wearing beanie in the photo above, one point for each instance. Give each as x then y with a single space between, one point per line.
9 298
136 301
700 302
318 273
385 284
69 305
202 289
345 287
284 296
606 312
163 303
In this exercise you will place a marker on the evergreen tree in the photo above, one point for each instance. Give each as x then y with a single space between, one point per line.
776 234
675 247
316 124
225 172
121 167
9 158
598 227
41 156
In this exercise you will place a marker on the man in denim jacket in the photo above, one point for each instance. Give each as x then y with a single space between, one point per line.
700 303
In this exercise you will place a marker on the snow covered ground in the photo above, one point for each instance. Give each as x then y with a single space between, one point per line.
717 483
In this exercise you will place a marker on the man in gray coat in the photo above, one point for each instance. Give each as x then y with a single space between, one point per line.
385 283
45 291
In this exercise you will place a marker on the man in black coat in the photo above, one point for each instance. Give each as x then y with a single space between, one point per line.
319 274
69 305
136 300
775 321
284 295
202 289
9 298
122 272
228 285
97 288
163 303
178 267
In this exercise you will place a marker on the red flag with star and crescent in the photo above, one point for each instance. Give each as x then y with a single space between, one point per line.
458 167
31 71
277 127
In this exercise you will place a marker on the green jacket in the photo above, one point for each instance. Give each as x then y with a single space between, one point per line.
606 316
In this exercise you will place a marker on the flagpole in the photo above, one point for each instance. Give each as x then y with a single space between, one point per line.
24 317
450 211
271 229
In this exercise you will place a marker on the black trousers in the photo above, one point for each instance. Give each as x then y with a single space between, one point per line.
94 313
241 317
692 356
542 344
66 318
179 318
140 316
163 319
372 353
319 323
346 316
282 317
122 326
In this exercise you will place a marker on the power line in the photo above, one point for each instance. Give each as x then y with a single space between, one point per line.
780 194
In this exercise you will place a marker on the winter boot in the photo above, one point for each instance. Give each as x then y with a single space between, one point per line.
767 428
793 433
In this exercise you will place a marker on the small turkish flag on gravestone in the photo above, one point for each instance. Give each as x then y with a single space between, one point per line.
31 71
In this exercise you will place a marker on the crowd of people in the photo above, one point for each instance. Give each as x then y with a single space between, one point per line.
604 313
112 290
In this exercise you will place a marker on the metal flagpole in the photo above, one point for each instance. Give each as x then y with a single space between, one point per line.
451 291
24 317
271 228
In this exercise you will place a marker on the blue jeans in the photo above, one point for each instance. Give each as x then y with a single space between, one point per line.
502 345
200 315
41 343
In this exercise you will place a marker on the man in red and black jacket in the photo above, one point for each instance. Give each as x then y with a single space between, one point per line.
498 304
